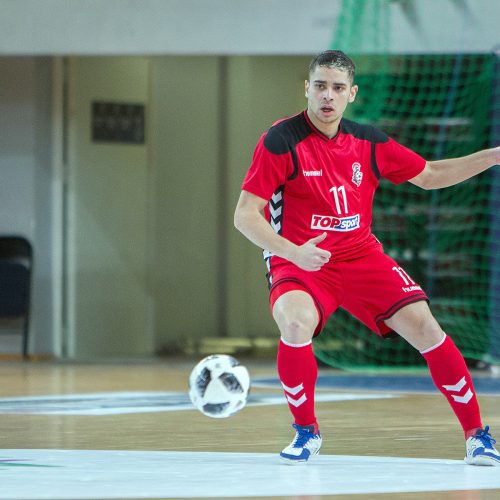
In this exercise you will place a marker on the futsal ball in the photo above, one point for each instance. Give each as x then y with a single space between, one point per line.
219 385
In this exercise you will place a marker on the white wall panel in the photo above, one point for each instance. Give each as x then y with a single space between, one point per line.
232 26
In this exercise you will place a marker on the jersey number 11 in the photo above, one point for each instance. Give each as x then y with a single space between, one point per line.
338 194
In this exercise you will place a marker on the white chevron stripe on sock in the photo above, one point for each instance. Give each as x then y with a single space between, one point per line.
463 399
293 390
457 387
296 402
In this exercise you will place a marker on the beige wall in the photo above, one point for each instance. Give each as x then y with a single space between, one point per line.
184 117
154 259
107 218
191 211
261 91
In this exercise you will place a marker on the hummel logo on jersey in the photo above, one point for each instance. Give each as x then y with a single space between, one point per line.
329 223
312 173
357 175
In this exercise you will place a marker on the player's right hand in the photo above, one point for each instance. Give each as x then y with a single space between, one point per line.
311 258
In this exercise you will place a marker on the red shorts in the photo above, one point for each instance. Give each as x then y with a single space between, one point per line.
372 288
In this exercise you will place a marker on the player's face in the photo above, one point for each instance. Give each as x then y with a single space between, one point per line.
328 93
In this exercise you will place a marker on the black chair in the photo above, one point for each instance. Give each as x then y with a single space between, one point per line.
16 266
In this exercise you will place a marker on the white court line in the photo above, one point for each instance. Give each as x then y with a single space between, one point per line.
116 403
88 474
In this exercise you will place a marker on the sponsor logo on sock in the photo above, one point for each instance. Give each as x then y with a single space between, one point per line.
461 384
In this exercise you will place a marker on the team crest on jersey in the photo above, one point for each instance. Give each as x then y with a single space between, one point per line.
357 175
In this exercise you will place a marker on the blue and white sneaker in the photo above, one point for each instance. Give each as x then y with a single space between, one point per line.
480 449
306 443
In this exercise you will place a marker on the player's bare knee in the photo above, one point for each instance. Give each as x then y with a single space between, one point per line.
432 333
426 333
297 330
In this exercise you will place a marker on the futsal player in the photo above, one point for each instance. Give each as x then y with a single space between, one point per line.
306 200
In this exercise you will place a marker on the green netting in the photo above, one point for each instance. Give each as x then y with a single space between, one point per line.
439 105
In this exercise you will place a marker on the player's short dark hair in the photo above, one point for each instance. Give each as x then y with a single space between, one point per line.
334 59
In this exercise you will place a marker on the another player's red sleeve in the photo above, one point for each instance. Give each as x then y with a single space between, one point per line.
397 163
267 172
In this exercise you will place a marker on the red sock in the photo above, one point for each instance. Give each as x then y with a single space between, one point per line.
451 376
298 371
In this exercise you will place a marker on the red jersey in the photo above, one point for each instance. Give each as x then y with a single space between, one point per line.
315 184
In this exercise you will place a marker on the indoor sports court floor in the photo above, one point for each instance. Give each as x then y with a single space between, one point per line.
128 431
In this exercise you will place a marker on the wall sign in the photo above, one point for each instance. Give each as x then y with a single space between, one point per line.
118 122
